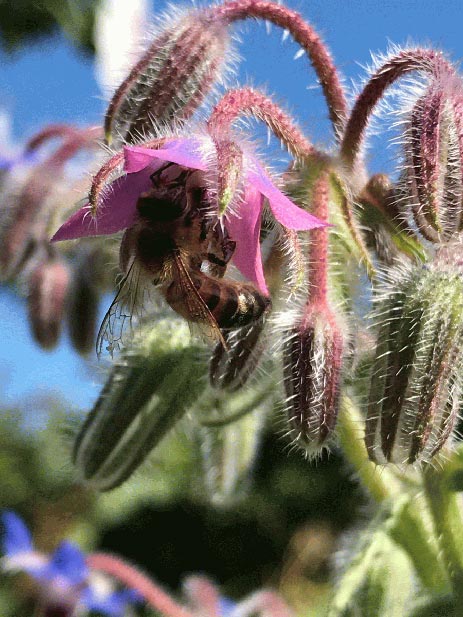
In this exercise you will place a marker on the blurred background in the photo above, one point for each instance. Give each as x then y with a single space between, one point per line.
57 65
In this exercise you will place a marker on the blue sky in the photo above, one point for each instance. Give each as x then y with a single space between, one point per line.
50 82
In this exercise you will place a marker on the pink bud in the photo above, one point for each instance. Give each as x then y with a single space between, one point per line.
312 358
171 79
432 145
48 287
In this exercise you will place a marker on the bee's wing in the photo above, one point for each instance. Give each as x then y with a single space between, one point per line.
129 304
197 309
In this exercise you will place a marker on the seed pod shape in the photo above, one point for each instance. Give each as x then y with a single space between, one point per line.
150 387
415 393
312 356
48 287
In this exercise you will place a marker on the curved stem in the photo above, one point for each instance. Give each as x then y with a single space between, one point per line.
406 527
249 102
380 484
308 39
134 579
50 132
101 177
425 60
448 525
318 247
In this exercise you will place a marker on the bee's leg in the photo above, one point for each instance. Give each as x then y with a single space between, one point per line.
156 175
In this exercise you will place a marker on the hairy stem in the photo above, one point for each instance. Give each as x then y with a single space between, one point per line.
308 39
448 525
249 102
407 528
425 60
134 579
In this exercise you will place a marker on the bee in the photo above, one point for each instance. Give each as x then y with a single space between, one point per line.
179 247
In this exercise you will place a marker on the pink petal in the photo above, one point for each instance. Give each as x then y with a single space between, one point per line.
116 212
244 228
284 210
185 152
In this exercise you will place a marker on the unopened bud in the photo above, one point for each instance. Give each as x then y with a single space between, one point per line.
151 386
384 225
171 79
312 356
415 393
229 173
231 368
84 301
435 163
48 287
229 438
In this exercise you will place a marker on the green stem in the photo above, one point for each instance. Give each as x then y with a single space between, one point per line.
407 526
378 482
448 525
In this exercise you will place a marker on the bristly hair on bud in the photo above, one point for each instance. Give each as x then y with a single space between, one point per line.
432 142
152 384
186 58
313 347
416 384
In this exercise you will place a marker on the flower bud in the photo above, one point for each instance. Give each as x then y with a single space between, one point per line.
231 368
415 392
171 79
312 356
84 301
229 438
48 287
384 226
434 170
151 386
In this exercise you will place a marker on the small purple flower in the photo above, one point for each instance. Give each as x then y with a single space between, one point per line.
65 582
118 211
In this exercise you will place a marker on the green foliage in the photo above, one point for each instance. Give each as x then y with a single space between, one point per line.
25 21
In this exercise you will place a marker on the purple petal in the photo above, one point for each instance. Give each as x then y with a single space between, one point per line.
16 536
185 152
284 210
117 211
68 563
244 228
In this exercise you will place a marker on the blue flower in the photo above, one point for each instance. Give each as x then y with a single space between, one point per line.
226 607
63 578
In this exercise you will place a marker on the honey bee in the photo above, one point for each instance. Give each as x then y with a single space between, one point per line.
180 248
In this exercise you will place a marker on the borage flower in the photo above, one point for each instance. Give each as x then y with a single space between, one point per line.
66 586
117 209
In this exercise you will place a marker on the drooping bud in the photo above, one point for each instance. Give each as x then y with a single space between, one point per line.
171 79
231 367
151 386
48 287
84 301
228 436
435 163
312 356
229 173
228 455
83 314
313 345
416 385
384 226
28 215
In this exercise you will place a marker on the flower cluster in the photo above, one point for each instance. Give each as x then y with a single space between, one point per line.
65 584
265 267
